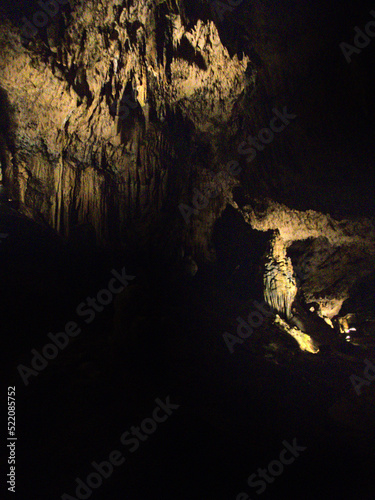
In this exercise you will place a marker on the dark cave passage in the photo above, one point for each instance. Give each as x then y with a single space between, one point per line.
282 396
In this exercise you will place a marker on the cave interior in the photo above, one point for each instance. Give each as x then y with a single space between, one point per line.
215 160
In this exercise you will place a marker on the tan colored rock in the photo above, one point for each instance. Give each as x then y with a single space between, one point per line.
305 342
279 282
73 158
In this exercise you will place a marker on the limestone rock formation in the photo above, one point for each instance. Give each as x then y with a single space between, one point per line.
280 286
102 120
305 342
335 254
117 112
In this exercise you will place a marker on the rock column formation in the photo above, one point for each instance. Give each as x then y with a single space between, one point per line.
280 288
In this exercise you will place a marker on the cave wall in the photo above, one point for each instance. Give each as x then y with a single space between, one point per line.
78 154
191 79
117 112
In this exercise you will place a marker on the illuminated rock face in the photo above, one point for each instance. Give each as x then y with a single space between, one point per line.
104 120
280 287
327 256
118 111
305 342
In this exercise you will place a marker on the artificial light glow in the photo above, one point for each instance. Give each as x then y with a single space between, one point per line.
305 342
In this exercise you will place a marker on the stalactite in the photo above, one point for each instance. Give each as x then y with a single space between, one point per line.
280 286
75 161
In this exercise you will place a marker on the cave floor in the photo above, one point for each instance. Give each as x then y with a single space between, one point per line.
235 410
